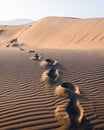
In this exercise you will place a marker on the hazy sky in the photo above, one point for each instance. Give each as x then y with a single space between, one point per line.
36 9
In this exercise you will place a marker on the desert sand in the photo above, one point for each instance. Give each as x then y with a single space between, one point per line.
35 71
58 32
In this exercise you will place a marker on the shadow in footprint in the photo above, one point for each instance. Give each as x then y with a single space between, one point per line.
50 76
67 90
36 57
49 63
75 111
78 120
74 88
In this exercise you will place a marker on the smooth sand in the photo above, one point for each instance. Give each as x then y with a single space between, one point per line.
58 32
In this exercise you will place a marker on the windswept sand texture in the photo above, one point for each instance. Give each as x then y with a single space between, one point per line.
26 102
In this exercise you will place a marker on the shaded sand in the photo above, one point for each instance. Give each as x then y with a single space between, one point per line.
28 104
58 32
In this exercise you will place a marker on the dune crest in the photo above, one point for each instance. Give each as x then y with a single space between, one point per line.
58 32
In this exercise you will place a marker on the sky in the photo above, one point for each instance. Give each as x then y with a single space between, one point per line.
36 9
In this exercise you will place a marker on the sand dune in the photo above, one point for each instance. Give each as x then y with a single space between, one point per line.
27 103
73 97
58 32
9 32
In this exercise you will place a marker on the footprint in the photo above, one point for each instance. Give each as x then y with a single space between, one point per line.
50 75
31 51
36 57
72 87
67 90
61 92
75 110
48 63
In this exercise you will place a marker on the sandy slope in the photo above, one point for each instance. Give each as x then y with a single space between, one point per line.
58 32
27 103
7 33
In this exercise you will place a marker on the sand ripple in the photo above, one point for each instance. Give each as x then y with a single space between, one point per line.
27 103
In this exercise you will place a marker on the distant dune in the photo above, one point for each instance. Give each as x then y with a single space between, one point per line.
16 22
58 32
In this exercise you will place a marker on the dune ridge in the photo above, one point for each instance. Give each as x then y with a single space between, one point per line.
58 32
